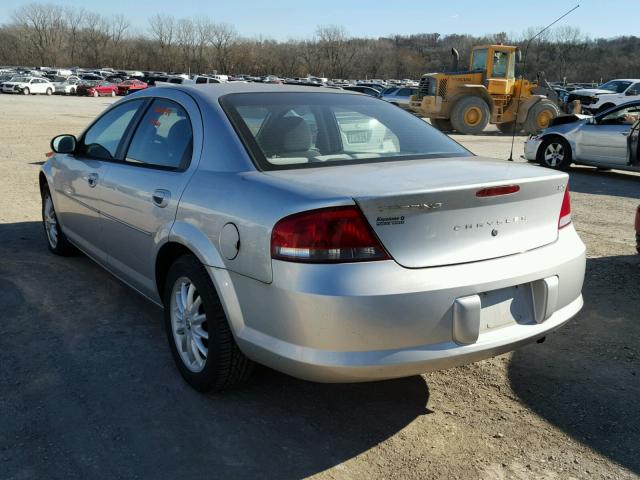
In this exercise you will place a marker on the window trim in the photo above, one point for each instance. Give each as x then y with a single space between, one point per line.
129 138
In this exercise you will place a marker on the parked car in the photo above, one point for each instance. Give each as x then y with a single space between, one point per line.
200 79
604 140
174 80
97 89
130 86
67 86
607 95
400 96
91 77
326 234
28 85
360 89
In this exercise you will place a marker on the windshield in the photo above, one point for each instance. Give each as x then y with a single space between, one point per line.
299 129
617 86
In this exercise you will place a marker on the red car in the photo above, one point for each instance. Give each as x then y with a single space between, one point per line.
97 89
638 229
129 86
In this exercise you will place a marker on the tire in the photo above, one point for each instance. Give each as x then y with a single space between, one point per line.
72 91
113 94
49 92
442 124
507 127
224 366
558 146
96 94
470 115
26 91
56 239
540 115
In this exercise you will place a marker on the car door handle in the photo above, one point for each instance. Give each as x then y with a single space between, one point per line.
92 179
161 197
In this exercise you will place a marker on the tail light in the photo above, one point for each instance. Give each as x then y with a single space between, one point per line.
326 235
565 210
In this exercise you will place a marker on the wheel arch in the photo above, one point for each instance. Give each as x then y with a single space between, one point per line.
184 239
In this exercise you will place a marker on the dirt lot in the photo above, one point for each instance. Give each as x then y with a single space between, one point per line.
88 388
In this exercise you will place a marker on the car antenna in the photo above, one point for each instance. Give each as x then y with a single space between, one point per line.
524 69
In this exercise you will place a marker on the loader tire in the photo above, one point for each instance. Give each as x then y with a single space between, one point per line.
470 115
442 124
540 115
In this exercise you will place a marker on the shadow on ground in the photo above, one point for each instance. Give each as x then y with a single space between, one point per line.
88 389
595 182
585 379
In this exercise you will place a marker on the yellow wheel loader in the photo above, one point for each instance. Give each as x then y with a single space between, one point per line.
487 93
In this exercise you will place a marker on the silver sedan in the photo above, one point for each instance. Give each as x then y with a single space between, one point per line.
327 234
603 140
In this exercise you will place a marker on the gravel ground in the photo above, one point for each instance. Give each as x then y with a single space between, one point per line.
88 388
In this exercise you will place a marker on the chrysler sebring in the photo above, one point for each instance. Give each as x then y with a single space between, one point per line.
324 233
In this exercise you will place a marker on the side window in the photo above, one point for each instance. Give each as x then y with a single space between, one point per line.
201 80
479 61
102 139
634 89
164 137
361 133
622 116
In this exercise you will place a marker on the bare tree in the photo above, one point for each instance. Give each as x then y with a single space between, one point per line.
222 37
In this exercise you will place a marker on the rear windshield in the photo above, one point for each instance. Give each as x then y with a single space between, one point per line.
300 130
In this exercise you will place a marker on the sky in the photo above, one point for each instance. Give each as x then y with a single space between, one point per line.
283 19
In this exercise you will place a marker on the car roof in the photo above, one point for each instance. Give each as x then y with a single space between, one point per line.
212 92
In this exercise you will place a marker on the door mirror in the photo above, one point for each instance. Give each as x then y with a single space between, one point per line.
64 144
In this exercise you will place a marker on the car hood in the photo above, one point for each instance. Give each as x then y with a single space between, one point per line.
592 91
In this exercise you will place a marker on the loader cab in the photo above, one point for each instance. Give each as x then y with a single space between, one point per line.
498 64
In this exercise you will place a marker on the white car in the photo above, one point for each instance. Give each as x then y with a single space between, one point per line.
607 95
28 85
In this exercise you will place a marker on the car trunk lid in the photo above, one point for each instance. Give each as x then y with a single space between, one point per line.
428 213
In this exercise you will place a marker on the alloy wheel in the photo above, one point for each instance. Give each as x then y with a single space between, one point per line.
189 324
554 154
50 222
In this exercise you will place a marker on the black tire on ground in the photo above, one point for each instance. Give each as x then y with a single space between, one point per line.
470 115
61 245
225 365
442 124
540 115
558 146
507 127
26 91
95 93
49 91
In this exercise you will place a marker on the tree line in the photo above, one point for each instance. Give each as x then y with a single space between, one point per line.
58 36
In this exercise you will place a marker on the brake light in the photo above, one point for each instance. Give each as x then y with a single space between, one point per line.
326 235
496 191
565 210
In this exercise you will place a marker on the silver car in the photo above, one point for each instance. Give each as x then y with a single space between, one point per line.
400 96
323 233
602 141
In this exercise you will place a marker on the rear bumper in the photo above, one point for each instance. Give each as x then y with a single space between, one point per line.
373 321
